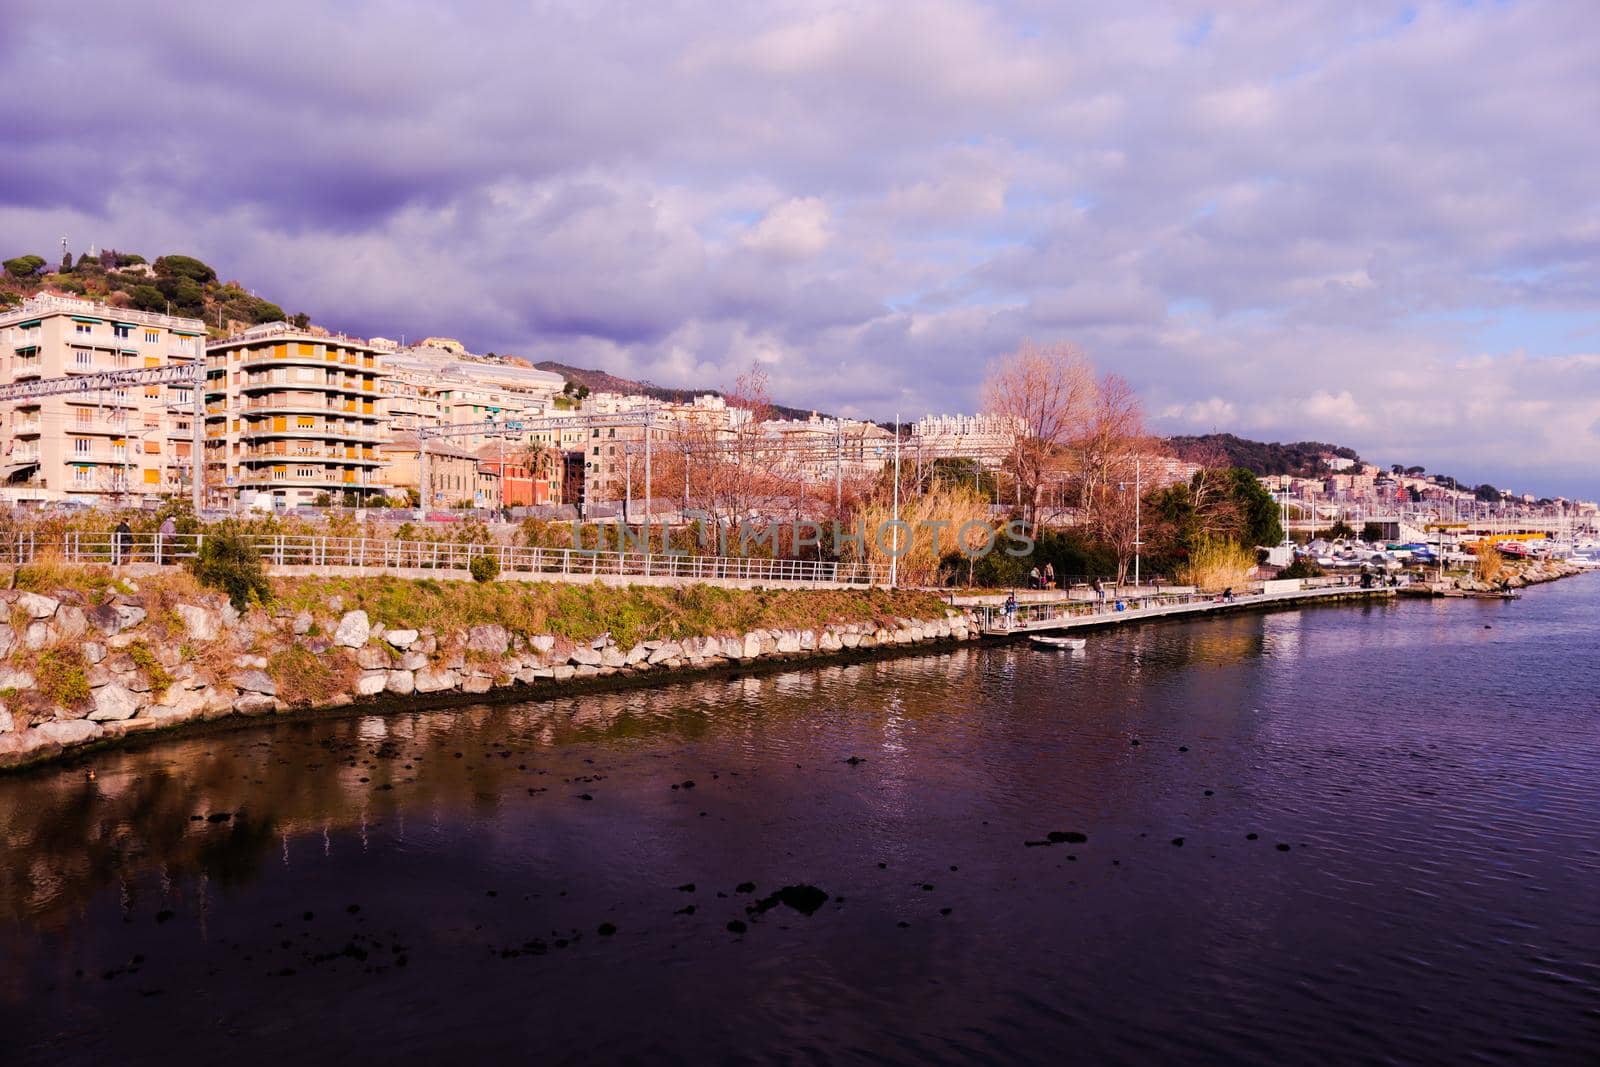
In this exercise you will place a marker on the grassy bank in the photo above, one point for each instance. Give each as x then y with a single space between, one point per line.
583 612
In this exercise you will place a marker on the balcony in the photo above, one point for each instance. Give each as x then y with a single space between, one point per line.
324 430
309 453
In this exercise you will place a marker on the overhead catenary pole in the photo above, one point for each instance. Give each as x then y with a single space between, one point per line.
1137 543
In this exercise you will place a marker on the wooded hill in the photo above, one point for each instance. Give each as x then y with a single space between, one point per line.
1303 459
173 284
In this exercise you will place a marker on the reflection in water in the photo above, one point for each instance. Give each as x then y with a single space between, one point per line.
417 884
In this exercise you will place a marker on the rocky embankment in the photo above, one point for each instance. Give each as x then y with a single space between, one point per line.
76 674
1518 576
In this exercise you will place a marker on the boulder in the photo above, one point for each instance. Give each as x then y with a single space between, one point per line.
68 731
750 647
731 647
372 657
201 624
130 615
436 680
94 651
788 641
254 682
403 682
113 703
412 661
669 650
353 631
478 683
302 623
37 635
7 723
613 657
562 672
70 623
37 607
401 639
103 617
585 657
488 638
11 678
542 643
372 683
254 704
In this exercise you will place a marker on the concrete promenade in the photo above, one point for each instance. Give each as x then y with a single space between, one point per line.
1065 616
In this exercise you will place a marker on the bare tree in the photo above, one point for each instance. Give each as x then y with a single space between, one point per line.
1048 392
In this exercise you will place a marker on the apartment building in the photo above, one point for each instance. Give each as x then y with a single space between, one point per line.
294 414
114 447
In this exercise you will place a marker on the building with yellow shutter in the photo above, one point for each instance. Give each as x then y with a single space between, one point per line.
294 415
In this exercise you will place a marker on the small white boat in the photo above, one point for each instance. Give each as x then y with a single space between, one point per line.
1060 644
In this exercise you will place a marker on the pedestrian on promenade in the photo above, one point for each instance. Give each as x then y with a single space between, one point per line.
123 547
169 531
1100 593
1049 575
1011 608
1033 578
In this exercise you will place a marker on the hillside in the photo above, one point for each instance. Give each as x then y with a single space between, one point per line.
175 284
600 381
1302 458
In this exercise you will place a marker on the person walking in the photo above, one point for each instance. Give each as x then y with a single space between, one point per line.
169 532
1011 608
124 543
1049 575
1100 593
1033 578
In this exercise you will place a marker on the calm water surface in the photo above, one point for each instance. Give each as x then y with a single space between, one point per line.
1422 781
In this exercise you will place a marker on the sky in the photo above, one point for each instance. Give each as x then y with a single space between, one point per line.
1370 223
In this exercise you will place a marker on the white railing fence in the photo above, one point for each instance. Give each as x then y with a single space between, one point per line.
380 555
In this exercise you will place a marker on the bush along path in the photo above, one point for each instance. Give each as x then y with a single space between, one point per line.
104 659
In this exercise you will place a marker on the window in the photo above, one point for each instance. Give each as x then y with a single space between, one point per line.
152 336
83 475
121 331
82 357
82 446
82 328
305 472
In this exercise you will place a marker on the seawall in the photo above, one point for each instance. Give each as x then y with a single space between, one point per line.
78 676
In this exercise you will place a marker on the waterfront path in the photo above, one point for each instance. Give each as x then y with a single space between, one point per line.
1064 615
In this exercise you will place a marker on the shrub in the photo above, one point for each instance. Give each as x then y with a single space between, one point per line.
484 568
144 658
306 679
61 677
1304 567
228 561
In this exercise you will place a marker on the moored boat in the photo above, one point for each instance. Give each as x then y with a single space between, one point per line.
1059 644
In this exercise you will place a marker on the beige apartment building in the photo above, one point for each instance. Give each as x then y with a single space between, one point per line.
124 446
294 415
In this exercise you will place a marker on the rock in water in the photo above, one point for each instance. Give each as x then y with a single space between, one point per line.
805 899
1071 837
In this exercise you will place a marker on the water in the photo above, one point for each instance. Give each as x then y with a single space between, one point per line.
432 887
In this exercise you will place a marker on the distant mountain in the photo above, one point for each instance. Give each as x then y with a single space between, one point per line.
1302 458
600 381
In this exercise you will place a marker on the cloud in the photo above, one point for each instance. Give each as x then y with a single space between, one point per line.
1311 220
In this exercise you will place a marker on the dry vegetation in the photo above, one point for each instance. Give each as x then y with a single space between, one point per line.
1216 563
583 612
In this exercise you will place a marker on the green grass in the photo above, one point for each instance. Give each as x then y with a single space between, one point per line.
60 675
144 658
306 679
583 612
